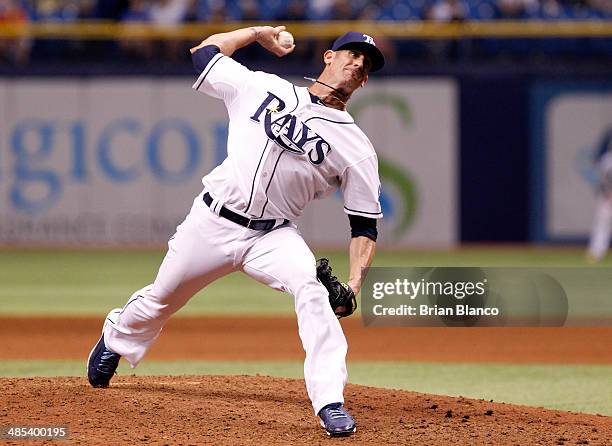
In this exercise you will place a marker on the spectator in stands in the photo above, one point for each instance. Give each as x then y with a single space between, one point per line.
320 8
11 11
517 9
87 9
15 51
550 9
343 10
170 13
64 11
576 4
603 6
138 11
217 12
296 11
249 11
57 11
446 11
111 9
371 11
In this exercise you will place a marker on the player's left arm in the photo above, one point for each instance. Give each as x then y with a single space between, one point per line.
361 254
360 185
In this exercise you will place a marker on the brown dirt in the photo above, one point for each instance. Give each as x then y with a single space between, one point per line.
275 338
265 411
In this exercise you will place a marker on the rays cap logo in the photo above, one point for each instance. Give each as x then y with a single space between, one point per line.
361 42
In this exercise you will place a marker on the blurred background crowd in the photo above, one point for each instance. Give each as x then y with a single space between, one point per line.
179 11
175 12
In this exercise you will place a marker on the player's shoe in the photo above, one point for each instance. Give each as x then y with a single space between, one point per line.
336 420
101 364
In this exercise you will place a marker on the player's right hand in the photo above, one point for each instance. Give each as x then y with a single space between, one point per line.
267 37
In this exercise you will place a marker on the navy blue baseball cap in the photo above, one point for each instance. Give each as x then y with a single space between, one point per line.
362 42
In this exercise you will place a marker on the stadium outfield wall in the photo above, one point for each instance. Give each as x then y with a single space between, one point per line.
468 153
114 162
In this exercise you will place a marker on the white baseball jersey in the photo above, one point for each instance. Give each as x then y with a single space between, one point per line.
284 150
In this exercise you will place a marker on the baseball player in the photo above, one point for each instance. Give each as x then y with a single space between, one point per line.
602 221
287 145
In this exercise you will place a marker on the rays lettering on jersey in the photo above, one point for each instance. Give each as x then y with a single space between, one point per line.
289 132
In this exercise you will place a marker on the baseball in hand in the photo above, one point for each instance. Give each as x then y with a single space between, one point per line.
285 39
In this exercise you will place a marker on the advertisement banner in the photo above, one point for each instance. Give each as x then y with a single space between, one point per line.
116 162
570 124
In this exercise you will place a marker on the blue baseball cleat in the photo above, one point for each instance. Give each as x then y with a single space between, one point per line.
336 420
101 364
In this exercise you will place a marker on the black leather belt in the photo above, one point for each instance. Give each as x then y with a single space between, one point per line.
258 225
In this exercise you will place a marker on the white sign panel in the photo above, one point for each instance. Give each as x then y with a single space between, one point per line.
575 125
118 162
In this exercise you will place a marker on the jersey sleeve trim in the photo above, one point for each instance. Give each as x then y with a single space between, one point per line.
350 211
202 56
363 227
211 64
329 120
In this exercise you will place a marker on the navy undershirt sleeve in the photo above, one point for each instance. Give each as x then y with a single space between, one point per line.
203 56
363 226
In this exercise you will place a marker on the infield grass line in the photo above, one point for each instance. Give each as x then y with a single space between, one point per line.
88 283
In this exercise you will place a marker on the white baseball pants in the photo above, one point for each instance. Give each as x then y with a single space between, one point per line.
602 226
207 247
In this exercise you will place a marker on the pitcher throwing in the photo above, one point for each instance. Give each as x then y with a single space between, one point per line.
287 145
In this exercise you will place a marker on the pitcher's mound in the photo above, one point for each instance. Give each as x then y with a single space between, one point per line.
264 410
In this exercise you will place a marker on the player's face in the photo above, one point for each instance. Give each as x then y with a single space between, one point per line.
349 68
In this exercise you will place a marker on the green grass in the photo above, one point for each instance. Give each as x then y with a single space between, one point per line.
34 282
580 388
45 282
